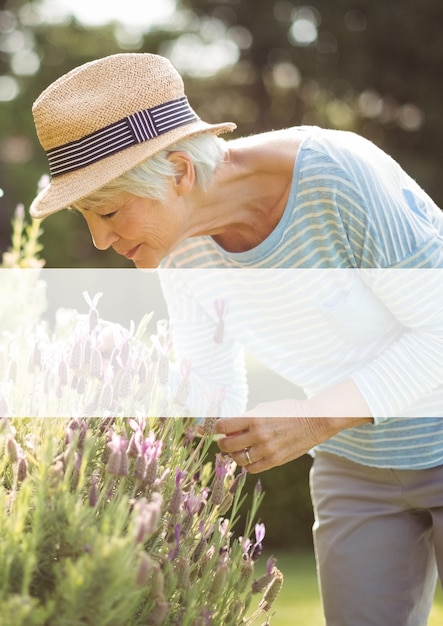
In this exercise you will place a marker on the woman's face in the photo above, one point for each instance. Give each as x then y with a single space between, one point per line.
141 229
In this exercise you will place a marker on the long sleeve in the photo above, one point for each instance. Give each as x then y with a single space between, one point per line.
218 381
408 375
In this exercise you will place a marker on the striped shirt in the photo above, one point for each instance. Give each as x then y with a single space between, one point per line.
365 302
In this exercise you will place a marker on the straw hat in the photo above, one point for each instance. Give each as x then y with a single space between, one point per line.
105 117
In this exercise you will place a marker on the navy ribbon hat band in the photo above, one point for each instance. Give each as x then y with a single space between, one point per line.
129 131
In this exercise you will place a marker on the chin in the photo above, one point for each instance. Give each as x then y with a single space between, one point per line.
145 265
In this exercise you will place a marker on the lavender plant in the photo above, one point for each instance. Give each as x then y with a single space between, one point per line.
124 521
107 519
25 245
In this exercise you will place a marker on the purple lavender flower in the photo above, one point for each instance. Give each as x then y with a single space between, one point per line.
177 496
257 548
272 590
147 451
194 503
93 491
253 550
223 464
62 373
219 580
118 458
270 564
146 517
22 469
162 344
14 450
125 351
246 544
238 481
76 357
260 532
264 581
96 363
175 551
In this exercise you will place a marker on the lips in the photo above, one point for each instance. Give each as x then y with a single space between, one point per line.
131 252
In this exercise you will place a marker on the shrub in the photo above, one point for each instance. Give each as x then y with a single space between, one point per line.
110 520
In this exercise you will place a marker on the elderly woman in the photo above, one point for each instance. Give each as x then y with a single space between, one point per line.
160 187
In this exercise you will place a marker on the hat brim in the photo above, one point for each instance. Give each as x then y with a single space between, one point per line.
65 190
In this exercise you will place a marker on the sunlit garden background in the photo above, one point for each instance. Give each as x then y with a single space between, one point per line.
370 66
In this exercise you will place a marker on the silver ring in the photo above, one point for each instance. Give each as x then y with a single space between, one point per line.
248 456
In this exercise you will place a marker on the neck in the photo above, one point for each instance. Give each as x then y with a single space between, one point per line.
245 200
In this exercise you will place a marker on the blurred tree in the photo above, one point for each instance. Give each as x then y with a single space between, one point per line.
35 49
363 65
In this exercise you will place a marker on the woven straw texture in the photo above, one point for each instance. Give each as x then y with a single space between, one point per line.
91 97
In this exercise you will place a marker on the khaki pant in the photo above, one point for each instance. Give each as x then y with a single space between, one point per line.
378 537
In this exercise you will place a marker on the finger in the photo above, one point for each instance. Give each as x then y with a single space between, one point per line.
231 425
234 443
259 466
260 460
241 458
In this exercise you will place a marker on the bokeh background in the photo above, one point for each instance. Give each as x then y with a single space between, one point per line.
369 66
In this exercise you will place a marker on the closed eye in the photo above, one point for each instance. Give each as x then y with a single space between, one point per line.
107 216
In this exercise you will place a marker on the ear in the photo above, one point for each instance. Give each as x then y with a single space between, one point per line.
184 177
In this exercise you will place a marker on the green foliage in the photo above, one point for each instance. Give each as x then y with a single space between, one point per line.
86 541
25 243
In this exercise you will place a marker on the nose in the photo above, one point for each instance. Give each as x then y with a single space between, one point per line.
102 234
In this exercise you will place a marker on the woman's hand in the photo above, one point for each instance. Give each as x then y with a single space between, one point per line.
271 434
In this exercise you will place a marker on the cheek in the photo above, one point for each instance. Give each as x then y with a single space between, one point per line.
128 226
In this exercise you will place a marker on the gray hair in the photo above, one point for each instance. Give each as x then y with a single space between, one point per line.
150 178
